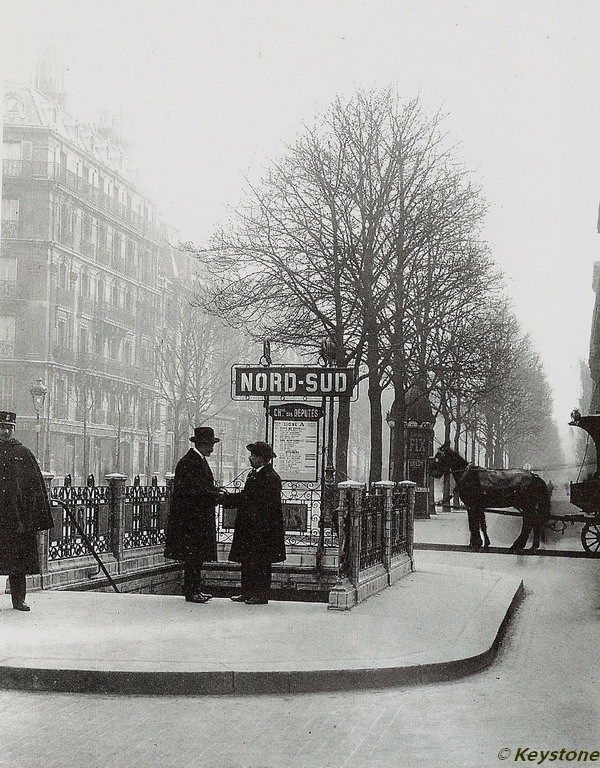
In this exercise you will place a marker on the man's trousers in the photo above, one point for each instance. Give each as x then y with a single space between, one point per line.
18 586
256 578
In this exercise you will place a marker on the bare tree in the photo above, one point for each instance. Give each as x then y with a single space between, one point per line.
364 212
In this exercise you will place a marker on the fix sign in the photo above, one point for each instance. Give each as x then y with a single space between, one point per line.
289 381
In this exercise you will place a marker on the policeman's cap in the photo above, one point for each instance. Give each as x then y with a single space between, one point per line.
8 417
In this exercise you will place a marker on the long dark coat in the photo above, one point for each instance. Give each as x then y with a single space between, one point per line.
258 534
24 508
191 528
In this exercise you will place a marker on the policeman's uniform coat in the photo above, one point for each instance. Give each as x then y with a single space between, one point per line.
191 529
258 534
24 508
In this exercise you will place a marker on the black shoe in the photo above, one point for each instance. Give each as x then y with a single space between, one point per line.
256 601
20 605
239 598
207 595
197 599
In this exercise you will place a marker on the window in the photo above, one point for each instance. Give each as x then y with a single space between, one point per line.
114 295
156 458
84 285
84 340
7 390
117 246
7 336
8 270
60 399
87 228
10 217
13 103
127 351
101 290
66 218
62 332
142 458
63 275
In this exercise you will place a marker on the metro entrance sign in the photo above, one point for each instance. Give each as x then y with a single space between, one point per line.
257 381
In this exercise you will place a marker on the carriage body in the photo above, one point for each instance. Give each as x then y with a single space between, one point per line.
586 494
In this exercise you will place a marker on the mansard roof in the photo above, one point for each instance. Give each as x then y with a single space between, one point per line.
28 107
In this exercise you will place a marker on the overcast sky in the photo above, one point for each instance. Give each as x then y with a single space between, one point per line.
210 90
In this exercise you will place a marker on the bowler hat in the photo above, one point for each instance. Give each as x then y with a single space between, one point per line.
261 449
8 417
204 435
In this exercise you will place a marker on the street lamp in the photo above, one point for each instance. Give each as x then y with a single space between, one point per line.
38 395
392 425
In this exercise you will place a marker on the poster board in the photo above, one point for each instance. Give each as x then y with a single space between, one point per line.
295 440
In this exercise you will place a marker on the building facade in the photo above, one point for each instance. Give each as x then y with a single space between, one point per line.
79 288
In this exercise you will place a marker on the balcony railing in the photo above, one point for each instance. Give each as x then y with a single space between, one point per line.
109 313
7 348
108 203
39 169
93 363
8 289
10 228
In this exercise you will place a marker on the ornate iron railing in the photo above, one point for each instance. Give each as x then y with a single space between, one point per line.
400 520
301 515
90 507
146 510
136 516
371 534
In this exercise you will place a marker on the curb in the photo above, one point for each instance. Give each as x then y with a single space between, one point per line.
251 683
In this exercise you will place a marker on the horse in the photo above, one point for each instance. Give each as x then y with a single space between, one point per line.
480 488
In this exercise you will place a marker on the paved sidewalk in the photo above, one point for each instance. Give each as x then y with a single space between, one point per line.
438 623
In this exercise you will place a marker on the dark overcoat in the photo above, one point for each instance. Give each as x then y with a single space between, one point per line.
258 534
24 508
191 528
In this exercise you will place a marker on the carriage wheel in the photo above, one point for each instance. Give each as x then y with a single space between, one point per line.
590 538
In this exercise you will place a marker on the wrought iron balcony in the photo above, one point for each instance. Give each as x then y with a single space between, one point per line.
8 289
39 169
7 348
10 228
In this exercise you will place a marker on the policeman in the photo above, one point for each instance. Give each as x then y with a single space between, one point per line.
24 510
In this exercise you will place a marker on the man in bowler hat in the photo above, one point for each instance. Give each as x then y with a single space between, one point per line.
24 510
258 535
191 531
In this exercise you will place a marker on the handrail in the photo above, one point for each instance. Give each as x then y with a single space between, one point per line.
82 533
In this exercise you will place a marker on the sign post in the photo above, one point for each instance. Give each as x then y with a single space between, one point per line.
295 425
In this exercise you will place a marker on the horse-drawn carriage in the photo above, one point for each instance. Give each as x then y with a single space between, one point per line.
586 494
480 488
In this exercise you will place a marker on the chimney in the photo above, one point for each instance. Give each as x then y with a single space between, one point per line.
50 76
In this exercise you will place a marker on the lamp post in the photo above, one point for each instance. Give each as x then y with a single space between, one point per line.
38 395
391 422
